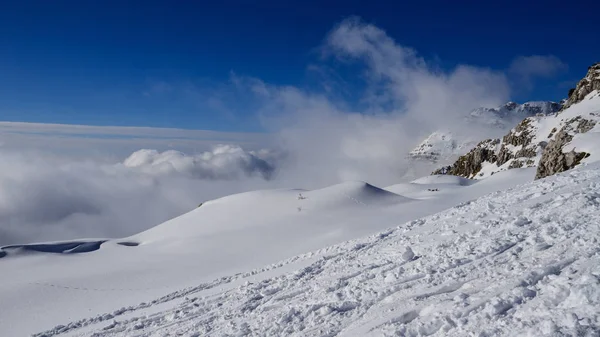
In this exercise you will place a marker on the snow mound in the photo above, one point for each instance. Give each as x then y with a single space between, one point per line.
353 192
269 208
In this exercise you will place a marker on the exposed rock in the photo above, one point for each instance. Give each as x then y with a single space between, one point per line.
589 83
470 164
444 146
538 140
521 136
554 159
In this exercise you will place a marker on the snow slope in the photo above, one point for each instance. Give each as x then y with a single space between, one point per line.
521 262
214 246
566 139
542 130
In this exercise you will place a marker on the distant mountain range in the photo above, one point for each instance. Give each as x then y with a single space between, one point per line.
445 145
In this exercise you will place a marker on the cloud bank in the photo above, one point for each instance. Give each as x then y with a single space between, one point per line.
224 162
317 136
49 197
403 98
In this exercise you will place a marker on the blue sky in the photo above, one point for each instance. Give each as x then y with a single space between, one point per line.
168 64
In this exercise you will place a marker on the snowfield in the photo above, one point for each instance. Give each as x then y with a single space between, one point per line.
223 237
519 262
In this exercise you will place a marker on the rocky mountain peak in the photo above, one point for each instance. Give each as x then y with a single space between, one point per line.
551 142
589 83
444 146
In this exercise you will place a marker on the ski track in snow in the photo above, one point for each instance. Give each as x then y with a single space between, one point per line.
523 262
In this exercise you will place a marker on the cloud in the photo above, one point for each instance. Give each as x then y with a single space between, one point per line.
224 162
378 100
50 197
527 68
403 99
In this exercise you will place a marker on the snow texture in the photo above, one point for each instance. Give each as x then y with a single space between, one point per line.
520 262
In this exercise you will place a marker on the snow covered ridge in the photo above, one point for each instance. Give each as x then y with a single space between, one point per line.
553 143
440 145
512 109
522 262
445 145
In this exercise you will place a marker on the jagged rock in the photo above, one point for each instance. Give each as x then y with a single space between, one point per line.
554 159
539 140
444 146
589 83
470 164
520 136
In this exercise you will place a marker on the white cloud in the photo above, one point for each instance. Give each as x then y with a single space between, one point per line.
50 197
224 162
60 182
405 98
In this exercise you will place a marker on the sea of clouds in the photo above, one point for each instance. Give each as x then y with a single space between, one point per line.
64 182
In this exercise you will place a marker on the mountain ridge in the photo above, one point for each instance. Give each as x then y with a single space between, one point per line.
540 141
445 145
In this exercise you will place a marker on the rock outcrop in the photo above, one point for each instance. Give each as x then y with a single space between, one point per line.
542 141
471 163
444 146
554 159
589 83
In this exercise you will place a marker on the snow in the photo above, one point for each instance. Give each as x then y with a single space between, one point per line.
223 238
441 256
442 145
517 262
587 142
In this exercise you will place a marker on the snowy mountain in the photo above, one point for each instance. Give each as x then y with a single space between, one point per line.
443 255
443 145
552 143
440 146
512 109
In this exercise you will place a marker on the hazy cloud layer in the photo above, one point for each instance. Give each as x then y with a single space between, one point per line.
60 182
224 162
49 197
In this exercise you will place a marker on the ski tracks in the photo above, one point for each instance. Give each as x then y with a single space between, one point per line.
500 265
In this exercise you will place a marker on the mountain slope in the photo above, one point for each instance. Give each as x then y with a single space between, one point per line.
524 262
445 145
213 246
552 143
